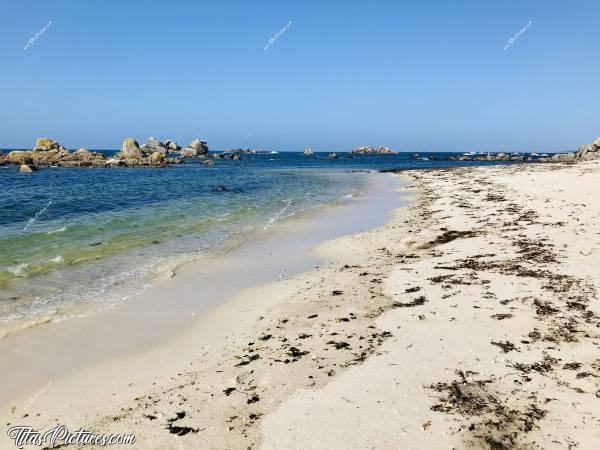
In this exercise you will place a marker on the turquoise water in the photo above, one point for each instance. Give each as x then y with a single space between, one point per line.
74 240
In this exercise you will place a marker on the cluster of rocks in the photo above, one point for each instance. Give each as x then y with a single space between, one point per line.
492 157
588 152
246 151
373 150
48 152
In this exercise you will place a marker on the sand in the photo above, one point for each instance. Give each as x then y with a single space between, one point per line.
469 320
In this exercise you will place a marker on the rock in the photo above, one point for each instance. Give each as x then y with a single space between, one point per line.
157 158
218 155
83 153
236 157
20 157
333 156
308 151
563 157
200 146
188 151
25 169
44 144
597 143
154 145
3 158
130 149
209 163
373 150
171 145
585 149
114 162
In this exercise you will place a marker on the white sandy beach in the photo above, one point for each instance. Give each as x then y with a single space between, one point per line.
469 320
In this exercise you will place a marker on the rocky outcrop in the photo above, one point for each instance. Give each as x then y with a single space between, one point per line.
488 157
588 152
48 152
373 150
308 151
333 156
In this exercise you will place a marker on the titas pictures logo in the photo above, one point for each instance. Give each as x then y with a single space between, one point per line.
60 436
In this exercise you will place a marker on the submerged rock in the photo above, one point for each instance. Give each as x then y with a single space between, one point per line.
25 169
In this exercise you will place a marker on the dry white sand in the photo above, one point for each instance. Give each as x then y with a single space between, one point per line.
470 320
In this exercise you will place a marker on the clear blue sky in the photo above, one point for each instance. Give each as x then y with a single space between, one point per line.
415 76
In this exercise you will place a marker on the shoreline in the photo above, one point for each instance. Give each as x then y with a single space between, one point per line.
468 320
171 306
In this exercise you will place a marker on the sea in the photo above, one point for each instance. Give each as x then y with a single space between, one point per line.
77 240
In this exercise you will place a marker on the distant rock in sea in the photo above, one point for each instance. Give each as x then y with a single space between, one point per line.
48 152
308 151
195 148
373 150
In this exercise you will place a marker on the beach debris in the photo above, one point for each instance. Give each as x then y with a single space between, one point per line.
506 346
179 430
339 345
450 236
265 337
228 391
255 398
501 316
416 302
297 353
247 359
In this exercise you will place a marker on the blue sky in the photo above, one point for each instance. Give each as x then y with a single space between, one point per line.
415 76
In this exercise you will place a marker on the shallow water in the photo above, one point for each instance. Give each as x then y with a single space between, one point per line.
72 240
